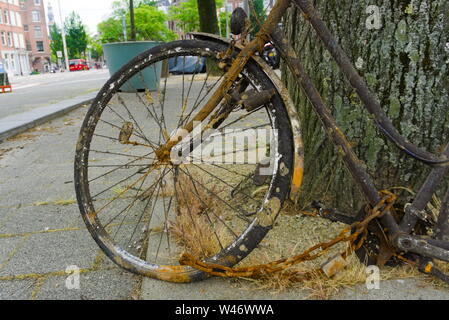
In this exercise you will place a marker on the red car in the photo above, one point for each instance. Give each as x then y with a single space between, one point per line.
78 65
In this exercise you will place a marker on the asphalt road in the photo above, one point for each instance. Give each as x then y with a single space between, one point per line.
33 92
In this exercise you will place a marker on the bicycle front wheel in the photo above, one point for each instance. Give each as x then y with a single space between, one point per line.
219 202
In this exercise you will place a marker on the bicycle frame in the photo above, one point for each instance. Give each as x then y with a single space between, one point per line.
398 234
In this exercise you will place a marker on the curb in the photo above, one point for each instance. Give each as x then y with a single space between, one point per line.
16 124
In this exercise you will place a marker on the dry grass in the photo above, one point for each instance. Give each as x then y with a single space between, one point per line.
22 137
4 151
29 136
292 235
198 226
277 245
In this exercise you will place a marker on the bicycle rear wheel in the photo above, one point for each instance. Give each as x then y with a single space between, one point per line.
219 202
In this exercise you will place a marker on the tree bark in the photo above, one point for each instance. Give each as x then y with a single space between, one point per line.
208 16
401 48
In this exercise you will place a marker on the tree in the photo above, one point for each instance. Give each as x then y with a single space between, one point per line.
111 30
150 24
401 49
207 10
76 35
258 18
187 14
56 41
96 49
223 22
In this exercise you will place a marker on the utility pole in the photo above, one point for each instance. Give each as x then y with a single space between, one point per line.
246 7
64 42
227 18
133 24
125 34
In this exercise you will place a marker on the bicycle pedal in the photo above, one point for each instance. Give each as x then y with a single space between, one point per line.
334 266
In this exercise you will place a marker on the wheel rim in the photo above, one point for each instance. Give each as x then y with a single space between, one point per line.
89 159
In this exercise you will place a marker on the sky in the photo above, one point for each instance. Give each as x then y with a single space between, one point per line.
91 12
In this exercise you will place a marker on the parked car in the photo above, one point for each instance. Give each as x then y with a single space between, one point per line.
186 65
78 65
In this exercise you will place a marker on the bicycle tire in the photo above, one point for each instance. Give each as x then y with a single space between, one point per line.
256 229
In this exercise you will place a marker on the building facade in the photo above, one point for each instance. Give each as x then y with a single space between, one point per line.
13 50
36 34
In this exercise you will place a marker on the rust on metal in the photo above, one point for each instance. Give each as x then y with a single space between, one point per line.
251 100
355 241
126 132
298 174
428 268
334 265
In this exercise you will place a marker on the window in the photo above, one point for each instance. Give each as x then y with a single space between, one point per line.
18 19
21 41
38 32
16 40
1 16
25 27
36 16
10 39
37 2
3 37
6 16
40 46
12 18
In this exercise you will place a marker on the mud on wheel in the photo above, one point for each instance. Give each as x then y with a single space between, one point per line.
144 212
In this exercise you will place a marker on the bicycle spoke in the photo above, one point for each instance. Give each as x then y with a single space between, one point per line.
149 201
132 118
226 183
135 200
216 216
118 168
243 214
124 154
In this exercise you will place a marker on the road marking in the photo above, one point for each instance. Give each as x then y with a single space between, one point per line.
55 82
26 86
86 80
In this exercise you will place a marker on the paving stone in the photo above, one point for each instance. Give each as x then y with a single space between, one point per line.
99 285
16 289
50 252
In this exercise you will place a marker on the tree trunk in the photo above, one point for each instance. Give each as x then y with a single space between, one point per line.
208 16
401 48
209 23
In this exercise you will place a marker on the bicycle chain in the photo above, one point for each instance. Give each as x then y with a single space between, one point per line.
256 272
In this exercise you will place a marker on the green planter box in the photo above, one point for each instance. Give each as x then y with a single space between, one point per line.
120 53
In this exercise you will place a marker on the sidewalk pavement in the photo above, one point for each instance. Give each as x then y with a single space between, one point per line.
18 123
41 230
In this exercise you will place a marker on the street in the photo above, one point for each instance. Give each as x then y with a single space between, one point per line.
32 92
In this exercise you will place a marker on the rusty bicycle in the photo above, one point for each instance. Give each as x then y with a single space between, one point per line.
149 187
